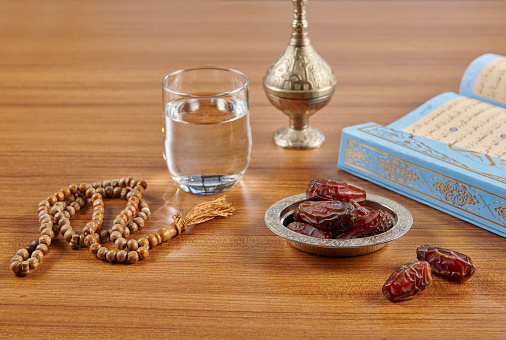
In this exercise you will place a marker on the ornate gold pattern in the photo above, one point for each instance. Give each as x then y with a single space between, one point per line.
455 193
501 211
410 142
398 170
354 154
485 209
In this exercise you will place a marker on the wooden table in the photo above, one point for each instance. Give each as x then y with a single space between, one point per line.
80 95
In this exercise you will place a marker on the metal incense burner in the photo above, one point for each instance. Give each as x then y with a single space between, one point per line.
299 83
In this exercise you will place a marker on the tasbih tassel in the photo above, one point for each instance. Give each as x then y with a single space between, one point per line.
204 212
199 214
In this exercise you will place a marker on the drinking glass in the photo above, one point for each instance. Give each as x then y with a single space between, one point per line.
206 128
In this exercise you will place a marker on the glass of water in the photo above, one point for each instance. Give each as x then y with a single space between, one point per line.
206 128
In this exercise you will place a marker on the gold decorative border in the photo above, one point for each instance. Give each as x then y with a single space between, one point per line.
456 201
455 163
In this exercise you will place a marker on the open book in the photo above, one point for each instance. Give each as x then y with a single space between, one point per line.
475 119
449 153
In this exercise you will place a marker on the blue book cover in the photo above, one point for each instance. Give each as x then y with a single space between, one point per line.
449 153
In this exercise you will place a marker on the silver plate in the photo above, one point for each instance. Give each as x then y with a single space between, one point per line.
280 212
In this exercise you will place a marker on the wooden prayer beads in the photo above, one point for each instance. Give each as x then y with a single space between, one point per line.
56 211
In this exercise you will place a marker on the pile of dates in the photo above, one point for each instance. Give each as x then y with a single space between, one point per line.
336 210
412 278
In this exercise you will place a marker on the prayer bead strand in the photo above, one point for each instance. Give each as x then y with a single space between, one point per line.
56 210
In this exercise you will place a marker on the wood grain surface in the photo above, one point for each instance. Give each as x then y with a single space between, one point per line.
80 101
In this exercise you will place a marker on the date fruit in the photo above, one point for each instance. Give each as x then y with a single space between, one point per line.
447 263
307 229
331 190
373 223
333 216
360 210
407 281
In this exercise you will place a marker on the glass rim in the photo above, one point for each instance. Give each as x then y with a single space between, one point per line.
216 68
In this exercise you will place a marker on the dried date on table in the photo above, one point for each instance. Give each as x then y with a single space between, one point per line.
333 216
447 263
329 190
373 223
309 230
407 281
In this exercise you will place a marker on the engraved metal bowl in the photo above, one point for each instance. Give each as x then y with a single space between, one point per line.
279 215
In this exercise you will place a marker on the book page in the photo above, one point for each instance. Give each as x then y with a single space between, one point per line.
422 110
467 123
491 81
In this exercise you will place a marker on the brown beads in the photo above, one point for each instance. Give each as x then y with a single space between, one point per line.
49 232
43 248
154 240
73 188
104 236
90 239
32 246
111 255
64 229
33 263
55 212
116 192
25 268
143 252
81 240
68 235
139 221
115 235
59 196
16 267
133 227
132 245
94 247
82 188
52 199
143 242
126 232
121 256
38 255
121 243
28 258
74 241
118 227
17 258
132 257
167 233
66 192
143 184
89 192
102 253
23 253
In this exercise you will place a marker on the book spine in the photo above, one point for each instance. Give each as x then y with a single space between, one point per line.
422 178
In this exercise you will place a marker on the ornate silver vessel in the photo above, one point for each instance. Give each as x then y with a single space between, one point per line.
278 216
299 83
